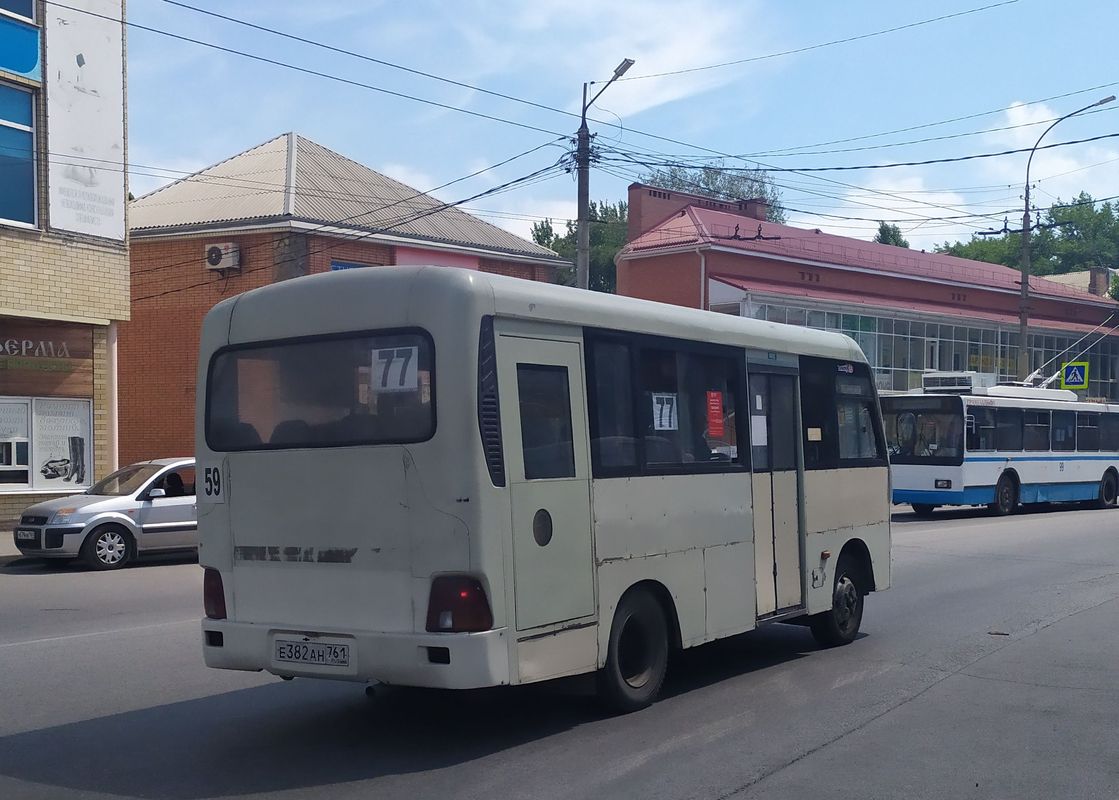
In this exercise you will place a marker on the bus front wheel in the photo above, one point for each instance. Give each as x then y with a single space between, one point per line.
637 654
1006 496
840 625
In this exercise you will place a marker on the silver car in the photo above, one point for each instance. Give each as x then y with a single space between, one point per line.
141 508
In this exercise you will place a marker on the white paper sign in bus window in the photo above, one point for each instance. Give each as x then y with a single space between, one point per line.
665 413
395 369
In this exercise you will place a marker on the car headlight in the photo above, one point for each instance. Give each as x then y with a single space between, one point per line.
63 515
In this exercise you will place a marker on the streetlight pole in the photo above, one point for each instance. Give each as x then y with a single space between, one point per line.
583 169
1024 260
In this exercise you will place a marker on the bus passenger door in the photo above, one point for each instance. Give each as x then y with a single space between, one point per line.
543 420
775 451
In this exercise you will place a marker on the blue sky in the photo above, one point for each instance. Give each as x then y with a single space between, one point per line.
190 106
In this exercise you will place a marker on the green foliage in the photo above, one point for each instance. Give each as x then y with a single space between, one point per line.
1113 292
719 182
608 236
1075 237
890 234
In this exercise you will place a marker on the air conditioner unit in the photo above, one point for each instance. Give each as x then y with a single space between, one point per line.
222 256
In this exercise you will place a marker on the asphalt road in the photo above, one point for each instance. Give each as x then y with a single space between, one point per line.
990 670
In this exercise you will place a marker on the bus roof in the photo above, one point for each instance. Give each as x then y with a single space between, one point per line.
446 287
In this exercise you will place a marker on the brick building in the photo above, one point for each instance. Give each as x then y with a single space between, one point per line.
63 245
909 310
286 208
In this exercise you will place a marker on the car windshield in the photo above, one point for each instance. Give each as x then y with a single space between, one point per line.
124 481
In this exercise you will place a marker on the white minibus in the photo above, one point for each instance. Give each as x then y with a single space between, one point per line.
439 477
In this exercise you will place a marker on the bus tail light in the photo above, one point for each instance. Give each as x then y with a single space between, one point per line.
213 594
458 604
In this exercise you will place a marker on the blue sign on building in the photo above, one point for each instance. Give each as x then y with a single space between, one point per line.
19 49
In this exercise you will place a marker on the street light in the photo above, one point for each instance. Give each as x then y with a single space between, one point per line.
1024 262
583 163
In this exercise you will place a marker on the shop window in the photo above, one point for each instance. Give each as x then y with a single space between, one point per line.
21 8
1064 431
1087 432
545 408
17 155
1008 429
1035 430
980 429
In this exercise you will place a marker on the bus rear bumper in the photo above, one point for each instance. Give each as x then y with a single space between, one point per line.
971 496
472 660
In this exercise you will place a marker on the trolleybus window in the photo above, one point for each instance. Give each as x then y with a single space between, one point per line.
980 428
924 430
1087 432
1008 433
1036 430
1109 432
1064 431
322 392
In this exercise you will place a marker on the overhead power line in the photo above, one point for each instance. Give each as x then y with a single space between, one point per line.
821 45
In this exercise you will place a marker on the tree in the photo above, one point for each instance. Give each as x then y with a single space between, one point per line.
1070 237
890 234
609 222
718 181
1113 292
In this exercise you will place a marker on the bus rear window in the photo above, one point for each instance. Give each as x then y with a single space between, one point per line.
322 392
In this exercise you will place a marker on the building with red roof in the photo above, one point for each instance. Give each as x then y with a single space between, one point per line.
909 310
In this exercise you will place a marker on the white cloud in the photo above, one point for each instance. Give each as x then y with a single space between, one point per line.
416 178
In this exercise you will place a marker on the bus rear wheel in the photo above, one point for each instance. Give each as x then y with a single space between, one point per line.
637 654
1109 491
1006 497
923 509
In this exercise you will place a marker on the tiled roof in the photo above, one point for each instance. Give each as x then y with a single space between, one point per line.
695 226
293 178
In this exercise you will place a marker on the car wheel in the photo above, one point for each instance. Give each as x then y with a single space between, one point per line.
923 509
1109 491
840 625
637 654
1006 497
108 547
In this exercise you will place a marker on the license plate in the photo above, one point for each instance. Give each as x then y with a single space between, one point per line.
27 536
319 653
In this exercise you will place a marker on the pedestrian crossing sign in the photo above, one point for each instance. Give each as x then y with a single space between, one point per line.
1074 375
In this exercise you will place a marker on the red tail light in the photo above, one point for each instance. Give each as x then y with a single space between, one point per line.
213 594
458 604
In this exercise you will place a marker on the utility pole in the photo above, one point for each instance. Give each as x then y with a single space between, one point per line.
583 173
1024 258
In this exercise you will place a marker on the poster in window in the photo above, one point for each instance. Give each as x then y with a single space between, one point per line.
715 425
395 369
62 446
13 420
665 412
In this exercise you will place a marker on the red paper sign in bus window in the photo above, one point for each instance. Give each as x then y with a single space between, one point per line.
715 427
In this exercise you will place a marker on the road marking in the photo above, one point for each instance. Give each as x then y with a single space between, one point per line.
100 633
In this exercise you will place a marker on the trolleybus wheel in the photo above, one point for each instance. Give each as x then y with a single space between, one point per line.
923 509
1006 496
1109 491
637 654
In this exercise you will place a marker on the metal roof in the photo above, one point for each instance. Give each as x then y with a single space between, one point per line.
291 178
697 226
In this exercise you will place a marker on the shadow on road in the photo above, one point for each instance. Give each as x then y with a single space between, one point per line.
906 517
30 566
309 734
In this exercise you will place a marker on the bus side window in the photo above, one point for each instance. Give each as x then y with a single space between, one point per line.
1008 429
545 407
1087 432
610 395
1109 432
818 413
1036 430
980 429
1064 431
